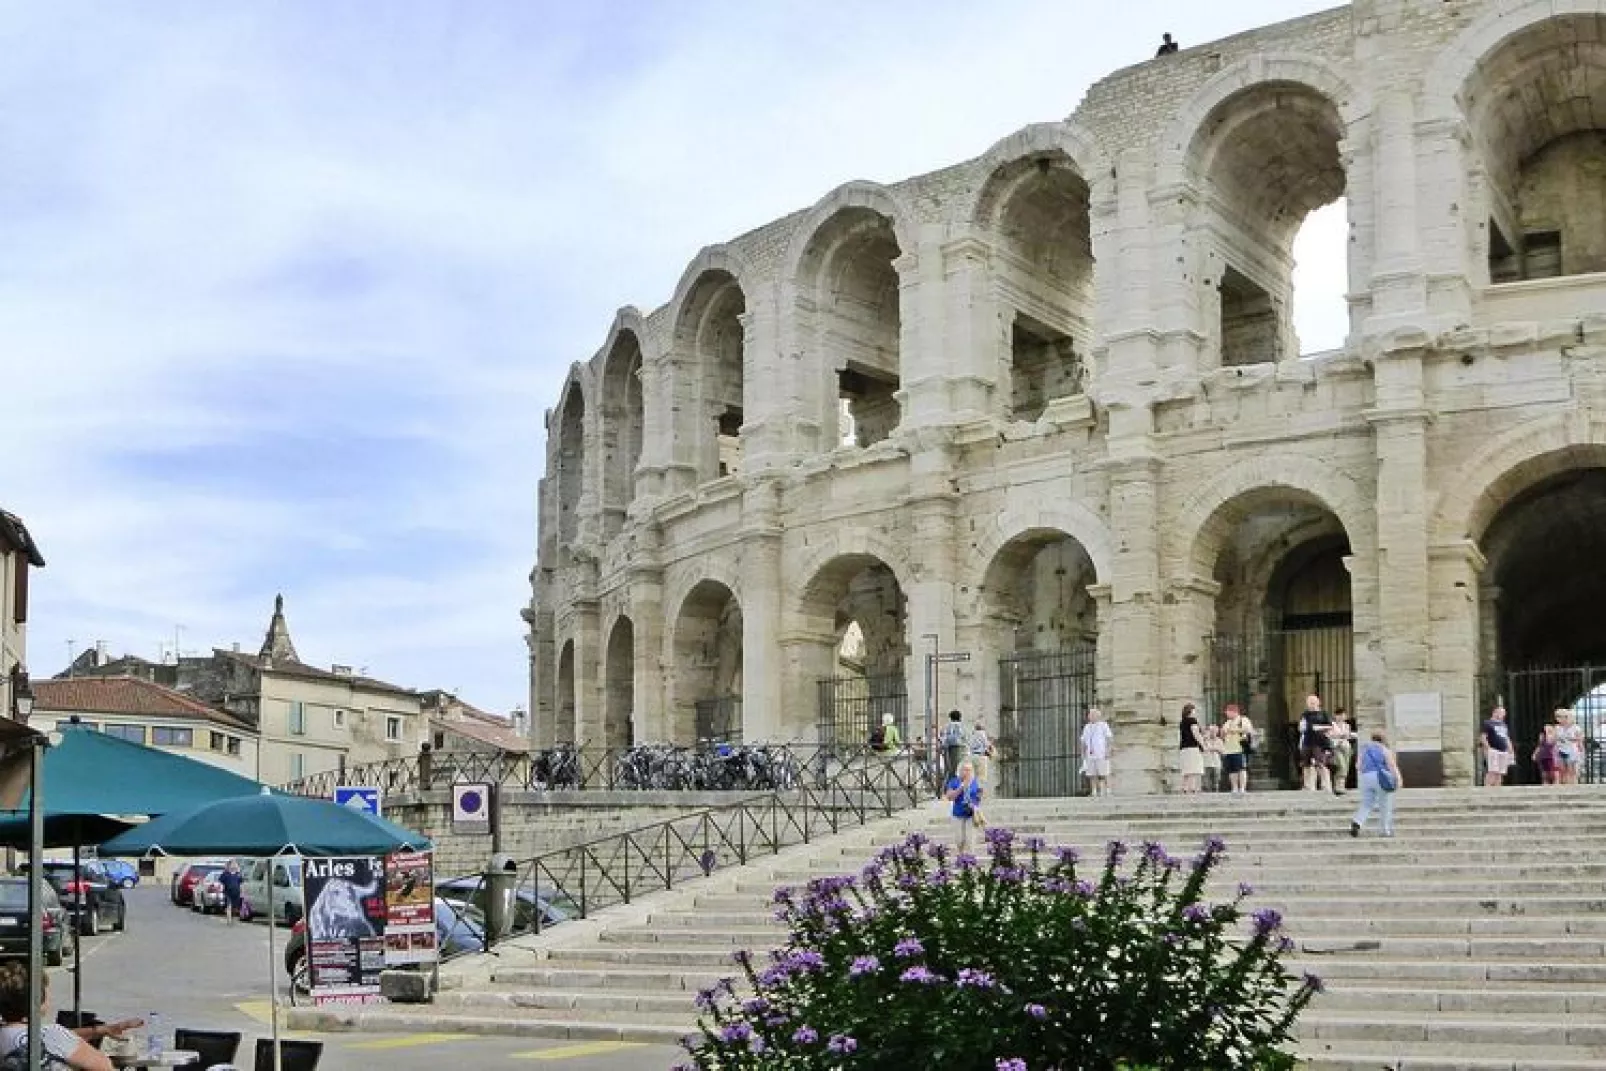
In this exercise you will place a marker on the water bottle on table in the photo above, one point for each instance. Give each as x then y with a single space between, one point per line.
155 1037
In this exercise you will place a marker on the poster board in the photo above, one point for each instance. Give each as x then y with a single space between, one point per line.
346 918
1418 721
410 909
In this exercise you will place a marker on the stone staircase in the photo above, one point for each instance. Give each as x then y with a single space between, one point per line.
1475 939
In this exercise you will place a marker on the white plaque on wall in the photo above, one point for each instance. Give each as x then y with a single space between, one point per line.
1418 721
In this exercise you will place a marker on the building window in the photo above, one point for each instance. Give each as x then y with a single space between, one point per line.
234 746
340 718
440 741
215 741
134 734
162 736
298 719
298 766
68 723
392 728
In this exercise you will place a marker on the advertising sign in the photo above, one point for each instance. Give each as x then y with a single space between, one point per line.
471 807
345 897
366 800
409 909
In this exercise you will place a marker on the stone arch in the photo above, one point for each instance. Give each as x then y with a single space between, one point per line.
709 318
713 258
862 194
722 569
1454 65
1030 143
569 459
706 667
1208 515
565 705
619 685
1265 142
1505 466
851 542
1021 515
622 424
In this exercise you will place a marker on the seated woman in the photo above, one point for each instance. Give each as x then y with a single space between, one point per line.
60 1047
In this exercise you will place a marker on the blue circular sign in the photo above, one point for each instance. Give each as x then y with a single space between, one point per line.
470 802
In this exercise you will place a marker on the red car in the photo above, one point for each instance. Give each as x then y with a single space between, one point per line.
185 878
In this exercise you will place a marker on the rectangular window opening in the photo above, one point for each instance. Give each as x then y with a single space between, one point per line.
1541 255
163 736
1044 366
340 719
393 728
298 719
1250 326
1505 265
869 405
729 431
132 733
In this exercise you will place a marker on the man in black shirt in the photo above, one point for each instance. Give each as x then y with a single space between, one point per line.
1167 46
1315 747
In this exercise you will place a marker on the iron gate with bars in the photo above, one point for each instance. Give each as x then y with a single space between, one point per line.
1044 696
720 720
1532 696
1269 673
849 707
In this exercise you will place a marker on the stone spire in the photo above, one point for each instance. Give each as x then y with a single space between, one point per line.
276 646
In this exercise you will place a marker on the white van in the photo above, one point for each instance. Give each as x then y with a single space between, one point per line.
289 902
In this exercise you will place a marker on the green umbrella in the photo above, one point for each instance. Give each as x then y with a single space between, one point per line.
266 824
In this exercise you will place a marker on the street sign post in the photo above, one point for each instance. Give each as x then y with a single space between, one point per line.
471 807
952 656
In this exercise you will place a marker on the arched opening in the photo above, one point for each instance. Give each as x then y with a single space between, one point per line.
1537 111
1271 156
711 332
1284 622
1042 624
622 429
566 730
1043 272
848 275
571 463
619 696
856 608
1321 279
707 683
1542 593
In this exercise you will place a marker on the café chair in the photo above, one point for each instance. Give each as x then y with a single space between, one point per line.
214 1046
295 1055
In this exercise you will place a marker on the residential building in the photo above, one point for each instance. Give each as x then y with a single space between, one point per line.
18 555
148 713
456 726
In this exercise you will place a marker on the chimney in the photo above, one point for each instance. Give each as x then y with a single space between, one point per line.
236 646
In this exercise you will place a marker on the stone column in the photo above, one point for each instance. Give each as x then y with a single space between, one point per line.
920 372
589 698
676 462
1142 755
973 331
1448 217
1177 263
931 511
807 656
648 719
1187 620
1454 605
763 588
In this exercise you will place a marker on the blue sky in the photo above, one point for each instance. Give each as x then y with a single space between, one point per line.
286 288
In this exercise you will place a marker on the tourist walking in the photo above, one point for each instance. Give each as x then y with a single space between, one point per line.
1496 746
1341 745
1237 742
953 745
1379 776
1097 743
965 791
1315 728
1212 758
1569 747
233 883
981 750
884 738
1190 750
1545 756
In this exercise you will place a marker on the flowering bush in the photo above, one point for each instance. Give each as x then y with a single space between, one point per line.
1020 960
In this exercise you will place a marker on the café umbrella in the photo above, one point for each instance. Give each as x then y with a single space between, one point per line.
267 825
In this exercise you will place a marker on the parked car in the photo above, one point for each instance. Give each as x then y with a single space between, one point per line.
289 903
93 900
14 921
527 905
182 889
124 873
459 928
206 895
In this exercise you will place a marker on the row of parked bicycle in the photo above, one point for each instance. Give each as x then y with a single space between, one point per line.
673 768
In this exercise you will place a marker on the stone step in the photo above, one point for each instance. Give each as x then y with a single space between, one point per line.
1394 881
1361 1055
598 1003
1506 1001
1337 847
581 974
1369 967
711 957
511 1022
1583 1035
642 936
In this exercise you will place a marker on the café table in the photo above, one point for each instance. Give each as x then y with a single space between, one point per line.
169 1058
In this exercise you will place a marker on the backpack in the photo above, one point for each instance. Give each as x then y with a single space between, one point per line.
954 735
878 740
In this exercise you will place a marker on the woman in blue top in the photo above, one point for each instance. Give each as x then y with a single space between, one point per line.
965 791
1376 761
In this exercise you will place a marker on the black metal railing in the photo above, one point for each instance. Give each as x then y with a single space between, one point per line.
586 878
706 767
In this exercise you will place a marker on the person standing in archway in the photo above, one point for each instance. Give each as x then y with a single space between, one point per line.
953 745
1569 747
1497 750
1237 735
1315 745
1190 750
1097 742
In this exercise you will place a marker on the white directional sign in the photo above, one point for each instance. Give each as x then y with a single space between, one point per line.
366 800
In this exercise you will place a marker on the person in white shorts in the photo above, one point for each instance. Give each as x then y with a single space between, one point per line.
1097 742
1497 750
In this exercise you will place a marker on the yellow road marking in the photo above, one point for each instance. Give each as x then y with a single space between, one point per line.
407 1041
262 1012
569 1052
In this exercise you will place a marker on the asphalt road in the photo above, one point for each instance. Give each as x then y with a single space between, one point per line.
203 973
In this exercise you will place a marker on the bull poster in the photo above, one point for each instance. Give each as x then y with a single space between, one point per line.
409 909
345 897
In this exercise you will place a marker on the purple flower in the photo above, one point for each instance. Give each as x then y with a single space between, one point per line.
999 835
1285 943
842 1043
1035 844
1153 851
908 948
1014 1064
1314 983
742 957
736 1032
1214 844
966 861
1196 913
918 976
706 998
1245 889
775 975
1116 852
783 915
805 960
970 978
863 965
1267 920
1172 940
1009 874
941 878
783 895
805 1035
1036 1011
908 882
1085 889
915 840
776 1020
755 1006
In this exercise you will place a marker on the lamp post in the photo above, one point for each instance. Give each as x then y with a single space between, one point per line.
21 710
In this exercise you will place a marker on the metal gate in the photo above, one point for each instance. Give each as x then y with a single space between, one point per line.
849 707
1044 698
1269 673
720 720
1532 696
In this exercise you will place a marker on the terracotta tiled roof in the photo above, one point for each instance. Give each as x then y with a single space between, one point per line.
125 695
303 671
483 727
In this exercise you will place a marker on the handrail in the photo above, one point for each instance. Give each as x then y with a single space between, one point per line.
616 869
